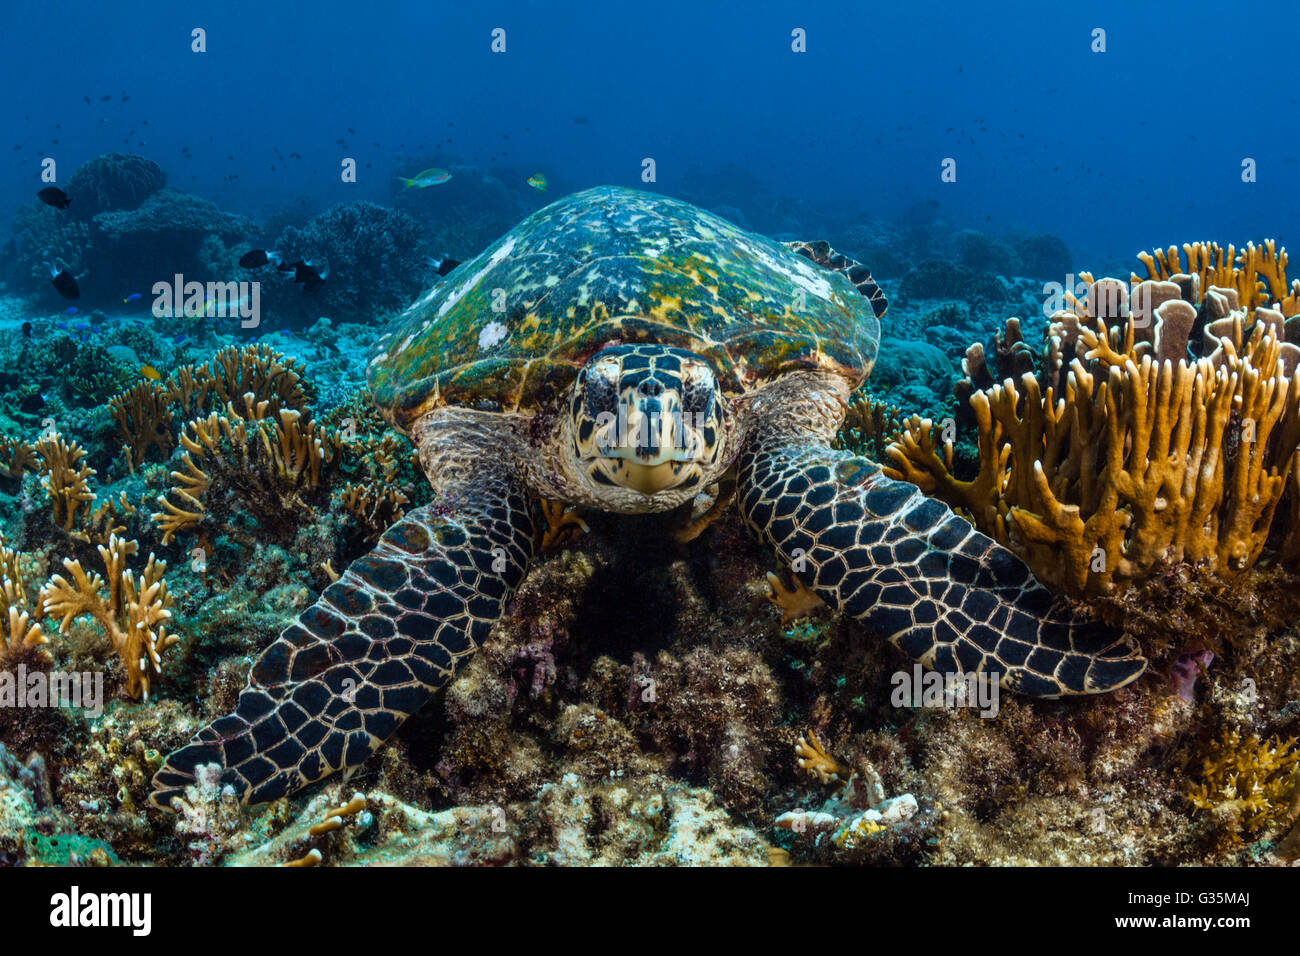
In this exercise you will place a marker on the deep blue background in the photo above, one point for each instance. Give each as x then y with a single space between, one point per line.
1114 152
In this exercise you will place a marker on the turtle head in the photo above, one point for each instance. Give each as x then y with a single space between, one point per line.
648 418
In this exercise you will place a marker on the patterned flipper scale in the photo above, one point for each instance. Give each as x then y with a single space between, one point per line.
821 253
398 625
911 570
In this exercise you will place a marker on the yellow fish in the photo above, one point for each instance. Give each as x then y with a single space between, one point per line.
149 372
538 182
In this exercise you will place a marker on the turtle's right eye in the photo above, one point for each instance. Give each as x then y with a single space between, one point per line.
600 396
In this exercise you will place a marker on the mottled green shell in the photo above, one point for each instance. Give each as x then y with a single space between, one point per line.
510 328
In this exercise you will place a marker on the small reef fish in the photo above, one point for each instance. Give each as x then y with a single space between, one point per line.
64 283
133 297
538 182
429 177
311 275
256 258
53 196
151 373
70 310
443 265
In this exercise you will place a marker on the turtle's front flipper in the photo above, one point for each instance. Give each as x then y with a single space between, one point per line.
394 628
910 569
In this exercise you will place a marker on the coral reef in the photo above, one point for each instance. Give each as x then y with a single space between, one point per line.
374 260
941 279
1248 785
171 232
133 615
1044 257
247 464
1114 461
652 697
111 182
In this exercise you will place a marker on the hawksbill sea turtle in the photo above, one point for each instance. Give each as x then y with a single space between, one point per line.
624 351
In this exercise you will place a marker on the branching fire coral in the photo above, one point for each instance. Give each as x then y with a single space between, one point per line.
869 427
1257 273
24 638
16 457
234 372
65 478
813 759
374 508
144 419
1124 454
133 614
274 463
1253 780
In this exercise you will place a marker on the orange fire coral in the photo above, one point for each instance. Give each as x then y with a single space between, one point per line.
133 615
1253 780
274 459
1133 455
234 372
15 458
22 640
813 759
1257 273
65 478
144 419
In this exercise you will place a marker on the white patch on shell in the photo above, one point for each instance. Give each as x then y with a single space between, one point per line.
494 333
379 357
421 302
493 260
804 274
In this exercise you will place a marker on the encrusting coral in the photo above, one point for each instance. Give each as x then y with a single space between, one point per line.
133 614
1123 454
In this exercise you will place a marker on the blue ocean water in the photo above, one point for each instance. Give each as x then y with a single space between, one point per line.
1114 151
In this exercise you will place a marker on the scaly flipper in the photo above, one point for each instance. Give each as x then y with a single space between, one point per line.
398 625
821 253
908 568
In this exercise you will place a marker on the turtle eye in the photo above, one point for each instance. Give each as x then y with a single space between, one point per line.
697 392
600 396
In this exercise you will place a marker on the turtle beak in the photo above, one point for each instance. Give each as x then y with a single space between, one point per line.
650 479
